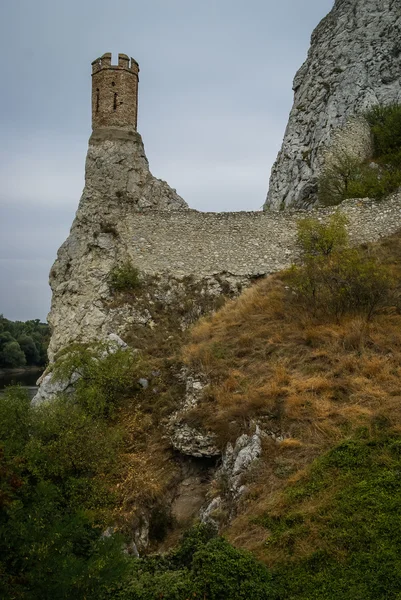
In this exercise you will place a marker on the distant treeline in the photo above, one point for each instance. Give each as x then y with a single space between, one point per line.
23 343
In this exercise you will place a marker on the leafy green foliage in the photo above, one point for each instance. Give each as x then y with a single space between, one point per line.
104 375
54 460
321 239
334 278
203 566
12 355
349 504
29 348
124 278
385 124
23 343
346 176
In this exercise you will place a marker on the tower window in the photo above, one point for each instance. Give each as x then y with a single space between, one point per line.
97 99
115 102
113 83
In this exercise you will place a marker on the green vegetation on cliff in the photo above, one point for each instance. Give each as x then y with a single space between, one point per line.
346 176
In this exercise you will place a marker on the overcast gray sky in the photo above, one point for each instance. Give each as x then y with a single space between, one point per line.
215 93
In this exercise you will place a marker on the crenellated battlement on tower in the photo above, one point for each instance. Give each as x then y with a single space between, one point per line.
124 62
115 92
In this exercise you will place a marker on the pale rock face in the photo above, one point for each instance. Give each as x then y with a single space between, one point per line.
236 461
118 184
185 438
354 62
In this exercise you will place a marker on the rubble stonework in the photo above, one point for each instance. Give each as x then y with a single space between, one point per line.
354 62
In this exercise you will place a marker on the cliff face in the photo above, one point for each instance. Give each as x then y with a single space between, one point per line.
118 183
186 259
353 63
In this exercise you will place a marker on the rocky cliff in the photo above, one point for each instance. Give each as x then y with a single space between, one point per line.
118 183
187 260
353 63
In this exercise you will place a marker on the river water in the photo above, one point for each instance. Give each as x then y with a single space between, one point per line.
26 379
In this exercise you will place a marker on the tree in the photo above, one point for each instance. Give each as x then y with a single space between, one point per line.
12 355
29 348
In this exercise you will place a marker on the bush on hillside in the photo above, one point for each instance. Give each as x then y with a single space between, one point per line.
334 278
316 238
346 176
203 566
105 374
385 124
55 461
337 529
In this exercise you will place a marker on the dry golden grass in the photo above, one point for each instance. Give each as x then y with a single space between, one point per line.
147 469
316 382
296 371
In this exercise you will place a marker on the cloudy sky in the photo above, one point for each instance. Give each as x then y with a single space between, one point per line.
215 93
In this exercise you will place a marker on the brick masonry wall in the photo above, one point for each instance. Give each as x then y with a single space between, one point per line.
114 98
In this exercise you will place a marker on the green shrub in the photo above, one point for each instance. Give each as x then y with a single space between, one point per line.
317 238
338 177
124 278
106 375
54 462
204 566
71 448
346 176
334 278
385 124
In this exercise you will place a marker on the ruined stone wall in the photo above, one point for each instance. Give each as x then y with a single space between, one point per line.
243 243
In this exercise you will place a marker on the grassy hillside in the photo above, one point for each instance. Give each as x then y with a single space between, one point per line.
311 355
322 508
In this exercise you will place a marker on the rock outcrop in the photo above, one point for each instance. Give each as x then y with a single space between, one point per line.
353 63
118 184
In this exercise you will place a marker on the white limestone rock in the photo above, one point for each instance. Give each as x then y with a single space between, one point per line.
237 460
354 62
189 440
117 184
50 388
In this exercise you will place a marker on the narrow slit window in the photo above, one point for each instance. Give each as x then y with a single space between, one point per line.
97 99
115 102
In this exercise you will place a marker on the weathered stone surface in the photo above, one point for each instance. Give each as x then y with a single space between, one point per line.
188 500
218 252
189 440
237 460
117 183
49 388
353 63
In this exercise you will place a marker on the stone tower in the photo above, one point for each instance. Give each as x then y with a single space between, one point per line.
115 92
